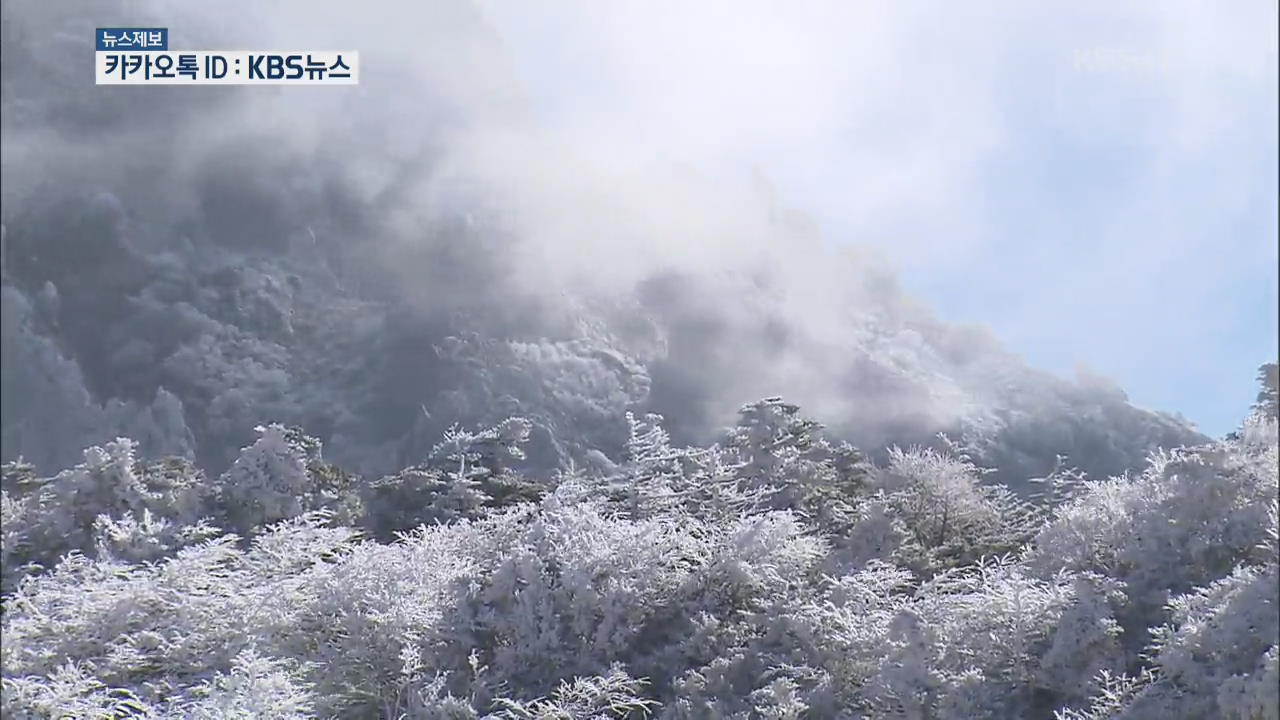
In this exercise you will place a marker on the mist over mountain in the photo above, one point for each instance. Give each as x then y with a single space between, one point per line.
374 264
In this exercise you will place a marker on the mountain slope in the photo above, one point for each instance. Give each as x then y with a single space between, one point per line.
375 266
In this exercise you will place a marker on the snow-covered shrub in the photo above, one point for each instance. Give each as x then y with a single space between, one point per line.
281 476
1188 520
254 687
155 627
468 474
1216 654
69 691
95 506
145 538
613 695
657 479
952 517
778 448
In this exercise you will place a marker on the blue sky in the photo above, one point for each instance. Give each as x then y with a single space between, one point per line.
1096 182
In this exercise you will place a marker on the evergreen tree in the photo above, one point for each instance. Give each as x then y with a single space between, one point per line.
1268 402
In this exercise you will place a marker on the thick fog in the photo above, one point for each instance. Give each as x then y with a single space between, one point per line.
375 263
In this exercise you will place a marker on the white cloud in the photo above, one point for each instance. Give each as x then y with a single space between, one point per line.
1093 179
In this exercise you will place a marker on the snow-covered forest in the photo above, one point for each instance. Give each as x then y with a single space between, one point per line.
385 404
773 574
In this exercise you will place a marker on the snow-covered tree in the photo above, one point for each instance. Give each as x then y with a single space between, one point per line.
281 476
678 583
953 517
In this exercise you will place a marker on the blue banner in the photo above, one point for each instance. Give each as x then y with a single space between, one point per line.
131 39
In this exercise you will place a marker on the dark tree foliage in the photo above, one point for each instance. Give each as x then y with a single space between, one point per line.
1268 402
